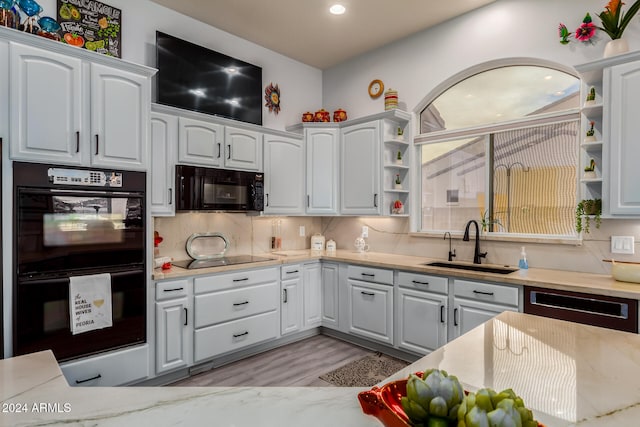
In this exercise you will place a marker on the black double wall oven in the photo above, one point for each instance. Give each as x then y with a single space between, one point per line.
75 222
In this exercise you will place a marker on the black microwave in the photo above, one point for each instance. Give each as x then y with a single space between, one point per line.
208 189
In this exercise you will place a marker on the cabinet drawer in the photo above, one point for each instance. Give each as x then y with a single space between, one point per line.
371 311
290 271
423 282
108 370
171 289
369 274
220 282
500 294
218 307
230 336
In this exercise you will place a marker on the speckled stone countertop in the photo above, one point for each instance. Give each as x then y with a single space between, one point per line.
569 375
601 284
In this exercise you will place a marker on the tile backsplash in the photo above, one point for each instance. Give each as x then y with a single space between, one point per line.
252 235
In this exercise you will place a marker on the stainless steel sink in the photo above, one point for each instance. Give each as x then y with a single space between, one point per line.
472 267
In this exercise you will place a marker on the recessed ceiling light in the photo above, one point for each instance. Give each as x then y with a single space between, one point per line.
548 77
337 9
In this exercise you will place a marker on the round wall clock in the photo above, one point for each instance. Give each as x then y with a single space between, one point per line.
376 87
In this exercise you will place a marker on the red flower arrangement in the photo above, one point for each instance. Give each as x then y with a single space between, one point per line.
613 20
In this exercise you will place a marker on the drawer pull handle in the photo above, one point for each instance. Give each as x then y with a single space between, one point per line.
235 304
97 377
219 150
368 274
420 283
370 294
229 152
241 335
186 316
292 271
483 293
455 317
173 290
285 296
241 280
442 314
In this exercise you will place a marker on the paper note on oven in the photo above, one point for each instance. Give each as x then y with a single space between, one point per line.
90 302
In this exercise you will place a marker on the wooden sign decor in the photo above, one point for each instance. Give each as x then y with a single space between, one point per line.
91 25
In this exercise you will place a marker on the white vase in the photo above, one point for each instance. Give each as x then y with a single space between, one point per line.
616 47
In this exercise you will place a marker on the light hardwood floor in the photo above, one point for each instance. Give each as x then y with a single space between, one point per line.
296 364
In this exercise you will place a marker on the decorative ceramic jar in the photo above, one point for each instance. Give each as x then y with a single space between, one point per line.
616 47
339 115
307 117
390 99
321 116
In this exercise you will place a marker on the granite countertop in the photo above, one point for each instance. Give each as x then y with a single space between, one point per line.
569 374
601 284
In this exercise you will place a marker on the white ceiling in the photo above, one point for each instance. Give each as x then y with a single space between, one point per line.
305 30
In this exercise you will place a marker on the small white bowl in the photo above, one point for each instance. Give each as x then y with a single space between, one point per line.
624 272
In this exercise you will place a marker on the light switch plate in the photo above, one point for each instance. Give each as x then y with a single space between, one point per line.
622 245
365 231
303 232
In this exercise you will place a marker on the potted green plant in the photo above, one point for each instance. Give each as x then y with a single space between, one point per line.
399 158
584 211
398 182
591 96
590 137
486 222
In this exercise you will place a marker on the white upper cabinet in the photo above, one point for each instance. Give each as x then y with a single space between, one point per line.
243 149
120 105
46 105
76 107
360 190
322 170
284 175
200 142
164 141
624 111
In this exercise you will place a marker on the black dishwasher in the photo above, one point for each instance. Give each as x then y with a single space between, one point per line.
590 309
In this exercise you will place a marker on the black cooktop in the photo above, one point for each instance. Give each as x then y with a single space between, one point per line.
219 262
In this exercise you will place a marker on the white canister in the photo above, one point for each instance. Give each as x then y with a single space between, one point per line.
317 242
331 245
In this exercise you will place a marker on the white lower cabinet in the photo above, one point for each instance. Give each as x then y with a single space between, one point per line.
474 303
291 299
312 285
330 295
174 325
421 307
235 310
371 303
109 369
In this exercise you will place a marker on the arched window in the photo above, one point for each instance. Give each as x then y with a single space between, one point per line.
500 146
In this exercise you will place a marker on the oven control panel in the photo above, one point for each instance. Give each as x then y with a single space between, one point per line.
85 177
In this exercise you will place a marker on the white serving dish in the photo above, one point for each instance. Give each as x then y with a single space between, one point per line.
625 272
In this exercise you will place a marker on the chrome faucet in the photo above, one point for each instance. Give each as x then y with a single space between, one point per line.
476 253
452 255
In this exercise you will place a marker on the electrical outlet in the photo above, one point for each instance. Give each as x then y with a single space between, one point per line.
622 245
365 231
302 231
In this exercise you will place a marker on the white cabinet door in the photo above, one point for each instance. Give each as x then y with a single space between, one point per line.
171 334
164 141
422 320
46 106
322 171
120 108
283 175
330 294
371 310
360 190
468 314
200 142
312 283
624 198
291 307
243 149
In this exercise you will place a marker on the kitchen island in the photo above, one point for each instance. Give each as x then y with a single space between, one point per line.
569 374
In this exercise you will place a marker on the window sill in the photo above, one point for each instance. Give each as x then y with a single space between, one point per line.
501 237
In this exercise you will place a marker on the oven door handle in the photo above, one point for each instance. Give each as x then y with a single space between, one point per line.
83 193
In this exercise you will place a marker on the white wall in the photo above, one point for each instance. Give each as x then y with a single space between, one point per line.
300 84
505 29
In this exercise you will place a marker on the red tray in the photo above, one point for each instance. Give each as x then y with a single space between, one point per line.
384 403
